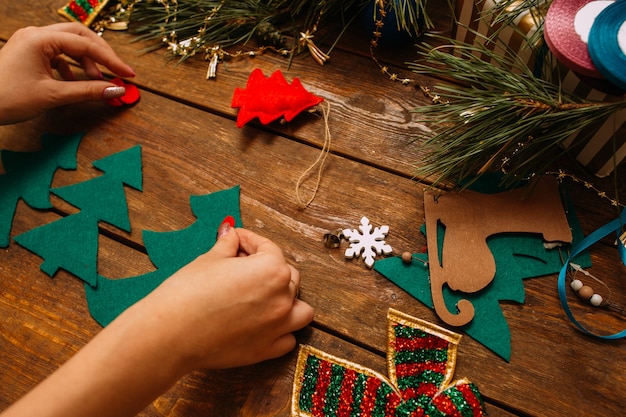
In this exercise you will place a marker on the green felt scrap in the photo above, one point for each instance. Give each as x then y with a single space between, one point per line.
28 176
71 243
103 198
66 244
517 257
168 251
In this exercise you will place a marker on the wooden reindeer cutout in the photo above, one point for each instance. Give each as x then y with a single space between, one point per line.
466 263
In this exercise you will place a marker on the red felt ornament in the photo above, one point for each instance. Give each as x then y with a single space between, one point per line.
131 96
271 98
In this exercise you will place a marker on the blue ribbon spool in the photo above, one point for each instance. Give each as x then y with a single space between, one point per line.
603 45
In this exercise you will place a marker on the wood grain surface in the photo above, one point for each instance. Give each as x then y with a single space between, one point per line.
190 145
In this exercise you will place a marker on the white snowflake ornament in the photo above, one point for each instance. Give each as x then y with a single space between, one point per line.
369 242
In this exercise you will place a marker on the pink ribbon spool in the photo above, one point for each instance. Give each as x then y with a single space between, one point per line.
567 43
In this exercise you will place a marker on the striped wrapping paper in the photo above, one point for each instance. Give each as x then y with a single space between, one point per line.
607 145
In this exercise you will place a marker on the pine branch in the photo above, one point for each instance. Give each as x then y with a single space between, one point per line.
496 116
192 26
188 27
411 15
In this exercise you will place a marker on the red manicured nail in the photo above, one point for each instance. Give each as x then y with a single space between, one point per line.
230 220
227 224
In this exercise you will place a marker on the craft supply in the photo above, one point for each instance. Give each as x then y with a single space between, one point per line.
130 96
367 243
471 268
607 43
518 256
271 98
561 175
71 242
28 176
84 11
169 251
332 240
566 29
319 162
407 257
421 358
594 237
586 292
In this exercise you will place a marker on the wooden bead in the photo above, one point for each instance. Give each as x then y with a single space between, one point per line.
586 292
596 300
407 257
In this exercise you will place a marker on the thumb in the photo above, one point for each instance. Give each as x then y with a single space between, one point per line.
227 244
69 92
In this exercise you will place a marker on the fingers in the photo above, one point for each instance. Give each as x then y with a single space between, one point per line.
294 283
62 68
300 316
283 345
251 243
77 28
68 92
88 50
227 244
90 67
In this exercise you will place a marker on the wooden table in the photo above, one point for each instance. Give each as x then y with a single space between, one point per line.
191 146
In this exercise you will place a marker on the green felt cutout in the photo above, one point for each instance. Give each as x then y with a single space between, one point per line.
168 251
71 243
28 175
517 257
103 198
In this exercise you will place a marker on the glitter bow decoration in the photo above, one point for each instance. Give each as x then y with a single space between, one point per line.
421 358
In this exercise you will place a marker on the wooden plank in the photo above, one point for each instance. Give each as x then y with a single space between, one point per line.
45 321
216 155
375 123
550 358
372 124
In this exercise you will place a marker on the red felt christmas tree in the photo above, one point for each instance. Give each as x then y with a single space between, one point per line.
271 98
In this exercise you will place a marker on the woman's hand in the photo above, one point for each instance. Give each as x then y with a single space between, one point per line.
235 305
27 84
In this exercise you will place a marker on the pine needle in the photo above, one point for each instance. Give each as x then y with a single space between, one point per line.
496 116
188 27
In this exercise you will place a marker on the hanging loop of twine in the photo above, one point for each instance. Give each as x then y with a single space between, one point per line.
319 162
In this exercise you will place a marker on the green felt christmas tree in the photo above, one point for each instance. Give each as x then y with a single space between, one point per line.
71 243
168 251
28 176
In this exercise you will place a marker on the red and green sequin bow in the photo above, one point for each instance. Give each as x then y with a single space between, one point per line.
84 11
421 358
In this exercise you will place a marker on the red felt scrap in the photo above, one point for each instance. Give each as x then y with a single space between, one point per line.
271 98
130 97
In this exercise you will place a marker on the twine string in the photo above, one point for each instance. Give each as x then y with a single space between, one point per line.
319 162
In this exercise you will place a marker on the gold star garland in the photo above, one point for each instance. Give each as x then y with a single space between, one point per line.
562 175
377 35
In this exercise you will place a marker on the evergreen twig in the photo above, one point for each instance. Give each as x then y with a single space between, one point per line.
496 116
188 27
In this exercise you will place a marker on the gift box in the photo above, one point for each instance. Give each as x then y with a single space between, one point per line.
474 24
